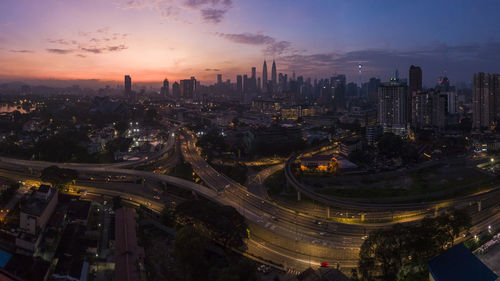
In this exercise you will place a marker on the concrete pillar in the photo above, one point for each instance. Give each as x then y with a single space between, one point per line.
328 212
298 195
31 171
479 206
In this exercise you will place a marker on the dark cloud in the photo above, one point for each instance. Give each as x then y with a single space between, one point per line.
60 51
81 56
95 50
272 47
213 15
248 38
212 69
200 3
21 51
212 11
116 48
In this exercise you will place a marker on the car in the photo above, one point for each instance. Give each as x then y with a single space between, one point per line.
324 233
275 218
324 264
318 222
156 197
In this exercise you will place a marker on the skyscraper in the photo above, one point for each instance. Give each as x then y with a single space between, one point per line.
176 90
128 85
219 79
264 77
392 106
274 76
239 84
187 88
337 84
415 79
485 100
415 75
165 89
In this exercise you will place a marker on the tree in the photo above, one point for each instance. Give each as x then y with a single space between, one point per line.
117 202
223 223
189 252
58 177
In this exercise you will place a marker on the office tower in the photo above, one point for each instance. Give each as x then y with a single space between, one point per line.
258 85
246 84
485 100
165 89
337 83
187 88
239 84
274 76
392 106
219 79
415 85
372 90
176 90
128 85
264 77
439 109
415 79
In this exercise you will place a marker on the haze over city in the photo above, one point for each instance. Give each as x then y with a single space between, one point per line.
153 39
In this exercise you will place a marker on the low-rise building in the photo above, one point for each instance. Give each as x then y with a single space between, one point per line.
37 209
319 163
459 264
128 255
350 145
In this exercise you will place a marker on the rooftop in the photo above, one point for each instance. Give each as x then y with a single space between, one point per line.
459 264
35 205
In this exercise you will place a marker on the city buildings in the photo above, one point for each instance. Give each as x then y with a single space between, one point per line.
392 107
264 77
485 100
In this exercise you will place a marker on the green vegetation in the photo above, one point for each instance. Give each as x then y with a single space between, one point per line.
222 224
60 178
402 252
275 182
393 146
183 170
237 173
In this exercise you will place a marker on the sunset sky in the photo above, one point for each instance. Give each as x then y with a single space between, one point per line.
154 39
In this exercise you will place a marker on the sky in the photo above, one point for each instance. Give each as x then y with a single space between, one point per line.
102 40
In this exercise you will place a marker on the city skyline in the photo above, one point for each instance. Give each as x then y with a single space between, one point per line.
154 39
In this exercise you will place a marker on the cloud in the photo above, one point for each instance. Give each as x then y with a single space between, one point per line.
81 56
60 51
212 69
5 23
21 51
95 42
62 41
95 50
213 15
248 38
272 47
211 11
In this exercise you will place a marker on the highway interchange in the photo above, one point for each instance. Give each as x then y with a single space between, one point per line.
289 238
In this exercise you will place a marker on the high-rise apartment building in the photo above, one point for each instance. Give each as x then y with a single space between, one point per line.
392 106
485 100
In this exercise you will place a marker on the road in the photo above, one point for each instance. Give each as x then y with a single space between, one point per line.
290 238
